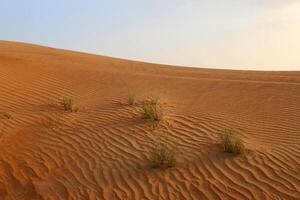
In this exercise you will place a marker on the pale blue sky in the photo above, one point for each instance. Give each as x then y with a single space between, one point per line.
236 34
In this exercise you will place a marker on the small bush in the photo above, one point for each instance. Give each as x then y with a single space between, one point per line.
152 109
238 146
163 156
68 104
131 98
232 144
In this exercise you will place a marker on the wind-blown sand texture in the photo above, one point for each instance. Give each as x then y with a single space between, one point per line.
100 152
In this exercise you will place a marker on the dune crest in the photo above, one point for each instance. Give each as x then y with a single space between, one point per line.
100 152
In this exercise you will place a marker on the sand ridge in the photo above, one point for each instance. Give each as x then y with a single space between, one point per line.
100 152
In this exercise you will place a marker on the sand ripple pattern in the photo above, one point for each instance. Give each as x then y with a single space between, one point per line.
100 152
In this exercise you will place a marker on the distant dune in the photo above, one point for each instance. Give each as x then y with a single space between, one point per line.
101 151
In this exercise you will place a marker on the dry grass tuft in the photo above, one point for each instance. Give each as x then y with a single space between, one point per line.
162 156
69 105
231 143
152 109
131 98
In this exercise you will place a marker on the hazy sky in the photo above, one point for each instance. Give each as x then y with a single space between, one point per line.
236 34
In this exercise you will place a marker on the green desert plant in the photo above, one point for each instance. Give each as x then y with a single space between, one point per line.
162 155
131 98
231 143
68 104
152 109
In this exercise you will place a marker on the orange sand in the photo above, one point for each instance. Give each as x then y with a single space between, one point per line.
101 151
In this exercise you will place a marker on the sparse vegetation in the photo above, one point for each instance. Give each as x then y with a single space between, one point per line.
162 155
231 143
131 98
68 104
6 115
152 109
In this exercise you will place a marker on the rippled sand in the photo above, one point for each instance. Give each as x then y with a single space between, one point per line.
100 152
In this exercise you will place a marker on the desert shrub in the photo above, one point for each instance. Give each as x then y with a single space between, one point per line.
68 104
162 155
152 109
231 143
131 98
238 146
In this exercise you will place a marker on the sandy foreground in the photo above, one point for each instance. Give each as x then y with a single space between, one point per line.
101 151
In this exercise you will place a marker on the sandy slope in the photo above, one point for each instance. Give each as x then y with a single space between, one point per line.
101 151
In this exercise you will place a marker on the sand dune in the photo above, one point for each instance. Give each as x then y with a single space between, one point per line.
100 152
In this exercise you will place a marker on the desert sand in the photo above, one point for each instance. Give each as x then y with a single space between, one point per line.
101 151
